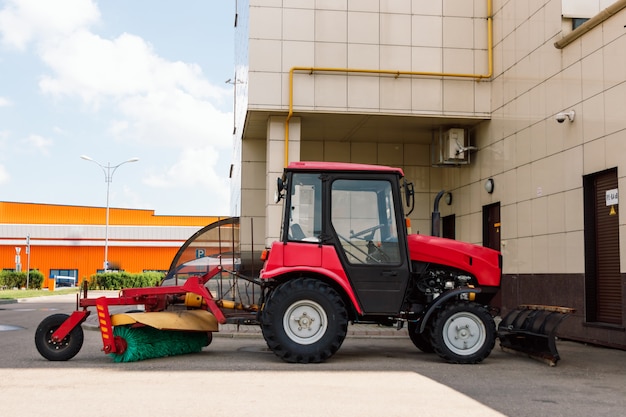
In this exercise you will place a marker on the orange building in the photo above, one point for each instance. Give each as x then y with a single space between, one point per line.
69 241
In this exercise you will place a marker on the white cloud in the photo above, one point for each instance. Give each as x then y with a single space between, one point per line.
158 102
24 21
4 139
193 168
173 119
38 143
89 66
145 98
194 173
5 102
4 175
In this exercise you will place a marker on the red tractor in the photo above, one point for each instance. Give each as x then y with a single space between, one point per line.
345 255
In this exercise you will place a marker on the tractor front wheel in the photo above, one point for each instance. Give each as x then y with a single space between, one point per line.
420 340
304 321
63 350
463 333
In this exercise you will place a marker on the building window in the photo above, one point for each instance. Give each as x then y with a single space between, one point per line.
64 277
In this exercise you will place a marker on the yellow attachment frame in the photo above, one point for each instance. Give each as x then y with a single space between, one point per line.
189 320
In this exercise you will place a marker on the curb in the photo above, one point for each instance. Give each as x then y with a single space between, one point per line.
253 331
354 330
8 301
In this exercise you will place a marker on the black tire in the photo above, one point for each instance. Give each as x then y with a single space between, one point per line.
64 350
304 321
422 341
463 332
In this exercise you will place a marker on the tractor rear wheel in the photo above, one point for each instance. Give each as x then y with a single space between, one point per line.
64 350
463 333
304 321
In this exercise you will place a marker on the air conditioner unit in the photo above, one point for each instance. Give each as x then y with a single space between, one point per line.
451 147
454 147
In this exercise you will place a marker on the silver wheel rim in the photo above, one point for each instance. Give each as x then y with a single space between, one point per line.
464 333
305 322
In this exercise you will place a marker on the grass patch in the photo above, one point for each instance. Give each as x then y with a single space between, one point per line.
11 294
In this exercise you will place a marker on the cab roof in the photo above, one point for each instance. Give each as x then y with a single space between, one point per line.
341 166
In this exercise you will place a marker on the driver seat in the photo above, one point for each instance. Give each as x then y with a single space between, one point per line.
296 232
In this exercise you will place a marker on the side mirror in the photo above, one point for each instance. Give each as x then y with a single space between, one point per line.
409 196
280 187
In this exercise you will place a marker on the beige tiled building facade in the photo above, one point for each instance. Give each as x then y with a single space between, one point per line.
527 94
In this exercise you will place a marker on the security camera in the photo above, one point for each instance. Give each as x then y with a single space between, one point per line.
563 116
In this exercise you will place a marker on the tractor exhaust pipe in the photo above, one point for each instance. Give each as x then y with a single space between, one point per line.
435 228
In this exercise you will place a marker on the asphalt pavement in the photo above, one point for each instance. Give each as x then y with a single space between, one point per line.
376 372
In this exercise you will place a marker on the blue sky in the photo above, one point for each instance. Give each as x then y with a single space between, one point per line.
116 79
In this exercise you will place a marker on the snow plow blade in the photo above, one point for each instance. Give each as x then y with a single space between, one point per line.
530 330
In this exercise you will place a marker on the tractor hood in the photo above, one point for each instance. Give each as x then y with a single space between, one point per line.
483 263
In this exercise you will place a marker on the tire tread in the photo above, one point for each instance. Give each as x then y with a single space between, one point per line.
50 324
437 333
272 316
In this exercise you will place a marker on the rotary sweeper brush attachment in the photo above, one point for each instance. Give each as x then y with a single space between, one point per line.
179 316
140 343
139 335
531 330
175 320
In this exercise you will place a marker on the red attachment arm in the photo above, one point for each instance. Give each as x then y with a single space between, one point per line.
68 325
196 286
106 327
154 298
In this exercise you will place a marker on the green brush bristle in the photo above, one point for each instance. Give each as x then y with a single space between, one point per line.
148 342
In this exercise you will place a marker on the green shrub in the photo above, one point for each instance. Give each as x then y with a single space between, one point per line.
35 279
12 279
120 280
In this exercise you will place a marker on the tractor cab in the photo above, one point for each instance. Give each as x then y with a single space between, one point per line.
348 220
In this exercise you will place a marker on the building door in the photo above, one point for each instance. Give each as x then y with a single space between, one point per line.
602 261
448 226
491 238
491 226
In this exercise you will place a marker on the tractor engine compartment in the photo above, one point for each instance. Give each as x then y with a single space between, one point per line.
431 281
438 279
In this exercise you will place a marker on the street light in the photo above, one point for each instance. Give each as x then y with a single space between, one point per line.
108 178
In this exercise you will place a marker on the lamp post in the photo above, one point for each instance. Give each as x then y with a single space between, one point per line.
108 178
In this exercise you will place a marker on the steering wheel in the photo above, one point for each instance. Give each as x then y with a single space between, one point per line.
382 256
355 247
366 231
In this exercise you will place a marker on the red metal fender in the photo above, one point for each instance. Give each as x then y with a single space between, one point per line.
441 300
308 257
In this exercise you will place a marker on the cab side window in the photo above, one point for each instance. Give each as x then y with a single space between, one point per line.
363 217
305 210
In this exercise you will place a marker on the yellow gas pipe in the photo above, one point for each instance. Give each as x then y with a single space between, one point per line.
395 73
